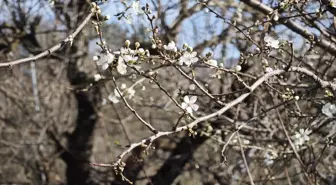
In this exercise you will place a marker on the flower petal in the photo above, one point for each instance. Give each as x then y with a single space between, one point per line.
113 99
121 68
186 99
189 110
194 107
193 99
184 105
105 66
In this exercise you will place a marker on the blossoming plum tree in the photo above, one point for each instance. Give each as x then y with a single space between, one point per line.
264 115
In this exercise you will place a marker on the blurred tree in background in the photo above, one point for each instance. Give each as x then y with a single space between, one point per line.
167 92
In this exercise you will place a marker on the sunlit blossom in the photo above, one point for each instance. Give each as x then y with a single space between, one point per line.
121 67
188 58
189 104
136 7
269 157
130 92
97 77
104 60
130 58
268 69
271 42
329 109
114 98
213 62
301 137
170 47
333 3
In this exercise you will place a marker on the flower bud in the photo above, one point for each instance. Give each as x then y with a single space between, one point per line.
127 43
185 46
95 58
137 45
209 54
238 68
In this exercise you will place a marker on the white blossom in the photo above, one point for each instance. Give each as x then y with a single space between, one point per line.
123 86
268 69
170 47
192 87
95 58
271 42
114 98
130 58
333 3
141 51
188 58
127 51
104 101
189 104
301 137
121 67
136 7
97 77
130 93
213 62
269 158
104 60
329 109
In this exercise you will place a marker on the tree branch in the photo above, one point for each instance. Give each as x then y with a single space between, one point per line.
53 49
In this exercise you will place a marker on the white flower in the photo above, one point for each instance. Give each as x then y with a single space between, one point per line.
123 86
271 42
188 58
329 109
130 92
213 62
95 58
127 51
97 77
130 58
104 60
141 51
268 69
104 101
189 104
269 156
114 98
171 46
333 3
301 137
121 67
136 7
192 87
